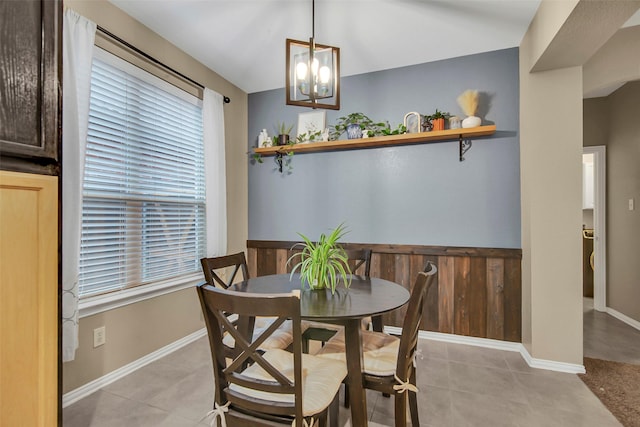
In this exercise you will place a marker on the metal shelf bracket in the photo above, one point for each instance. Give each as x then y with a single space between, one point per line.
465 145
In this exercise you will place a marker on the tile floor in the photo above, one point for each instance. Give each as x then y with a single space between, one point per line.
459 385
608 338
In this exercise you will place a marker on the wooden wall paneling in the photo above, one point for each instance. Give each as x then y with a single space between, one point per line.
252 266
495 298
477 290
386 270
375 264
402 277
430 320
446 277
477 297
512 300
462 270
266 262
387 267
281 261
295 260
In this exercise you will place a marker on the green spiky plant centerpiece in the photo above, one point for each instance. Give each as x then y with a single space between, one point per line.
324 263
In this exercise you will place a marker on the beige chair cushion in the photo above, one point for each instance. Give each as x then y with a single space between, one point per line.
280 338
321 379
380 352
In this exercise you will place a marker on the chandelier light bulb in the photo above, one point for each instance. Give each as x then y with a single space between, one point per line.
325 74
301 70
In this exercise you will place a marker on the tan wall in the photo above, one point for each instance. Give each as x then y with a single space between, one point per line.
560 40
596 122
616 63
551 193
612 121
623 183
132 332
138 329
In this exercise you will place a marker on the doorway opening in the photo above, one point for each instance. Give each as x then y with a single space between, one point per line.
594 218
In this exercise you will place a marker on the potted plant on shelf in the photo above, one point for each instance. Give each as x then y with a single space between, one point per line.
435 121
283 131
323 264
354 124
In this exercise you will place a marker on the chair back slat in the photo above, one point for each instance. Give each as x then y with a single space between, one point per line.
413 318
359 258
217 304
212 267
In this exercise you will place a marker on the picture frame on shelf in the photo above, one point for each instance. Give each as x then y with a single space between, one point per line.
311 122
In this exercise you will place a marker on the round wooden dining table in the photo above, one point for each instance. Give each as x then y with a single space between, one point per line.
366 296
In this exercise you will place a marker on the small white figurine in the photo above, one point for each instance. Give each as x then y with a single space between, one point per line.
263 139
325 134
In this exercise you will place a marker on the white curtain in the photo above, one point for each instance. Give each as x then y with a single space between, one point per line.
214 172
78 35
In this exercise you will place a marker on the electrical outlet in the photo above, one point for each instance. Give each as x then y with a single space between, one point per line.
99 336
631 204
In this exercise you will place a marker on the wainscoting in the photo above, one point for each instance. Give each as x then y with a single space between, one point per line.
477 293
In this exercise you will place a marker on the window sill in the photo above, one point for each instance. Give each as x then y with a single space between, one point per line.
98 304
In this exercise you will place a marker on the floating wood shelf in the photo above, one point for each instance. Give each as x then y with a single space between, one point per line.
462 135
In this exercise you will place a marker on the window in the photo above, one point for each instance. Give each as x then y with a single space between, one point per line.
143 213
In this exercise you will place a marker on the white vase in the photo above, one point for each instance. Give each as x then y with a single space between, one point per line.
471 122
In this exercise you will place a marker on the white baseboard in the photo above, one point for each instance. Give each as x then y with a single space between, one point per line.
497 345
95 385
624 318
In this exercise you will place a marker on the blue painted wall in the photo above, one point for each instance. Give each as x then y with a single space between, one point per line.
417 194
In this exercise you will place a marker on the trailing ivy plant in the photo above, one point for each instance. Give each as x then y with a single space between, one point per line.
401 129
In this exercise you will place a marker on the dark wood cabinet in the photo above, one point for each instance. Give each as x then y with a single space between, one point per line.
30 89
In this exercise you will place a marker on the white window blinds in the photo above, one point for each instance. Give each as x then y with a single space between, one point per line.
143 215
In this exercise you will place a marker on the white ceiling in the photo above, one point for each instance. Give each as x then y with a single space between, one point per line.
244 40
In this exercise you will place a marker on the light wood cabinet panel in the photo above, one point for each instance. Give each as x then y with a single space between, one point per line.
28 299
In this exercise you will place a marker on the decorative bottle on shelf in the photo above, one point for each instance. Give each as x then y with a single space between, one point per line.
263 139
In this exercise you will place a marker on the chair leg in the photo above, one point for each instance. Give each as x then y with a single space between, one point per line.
346 395
334 408
413 401
401 409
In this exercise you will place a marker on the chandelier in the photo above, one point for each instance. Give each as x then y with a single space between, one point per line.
313 72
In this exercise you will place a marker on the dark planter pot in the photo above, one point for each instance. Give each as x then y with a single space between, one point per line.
283 139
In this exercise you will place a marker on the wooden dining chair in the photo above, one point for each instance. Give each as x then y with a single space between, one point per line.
389 364
269 388
212 268
359 263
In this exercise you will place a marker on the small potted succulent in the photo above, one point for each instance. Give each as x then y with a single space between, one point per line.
323 264
283 130
435 121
